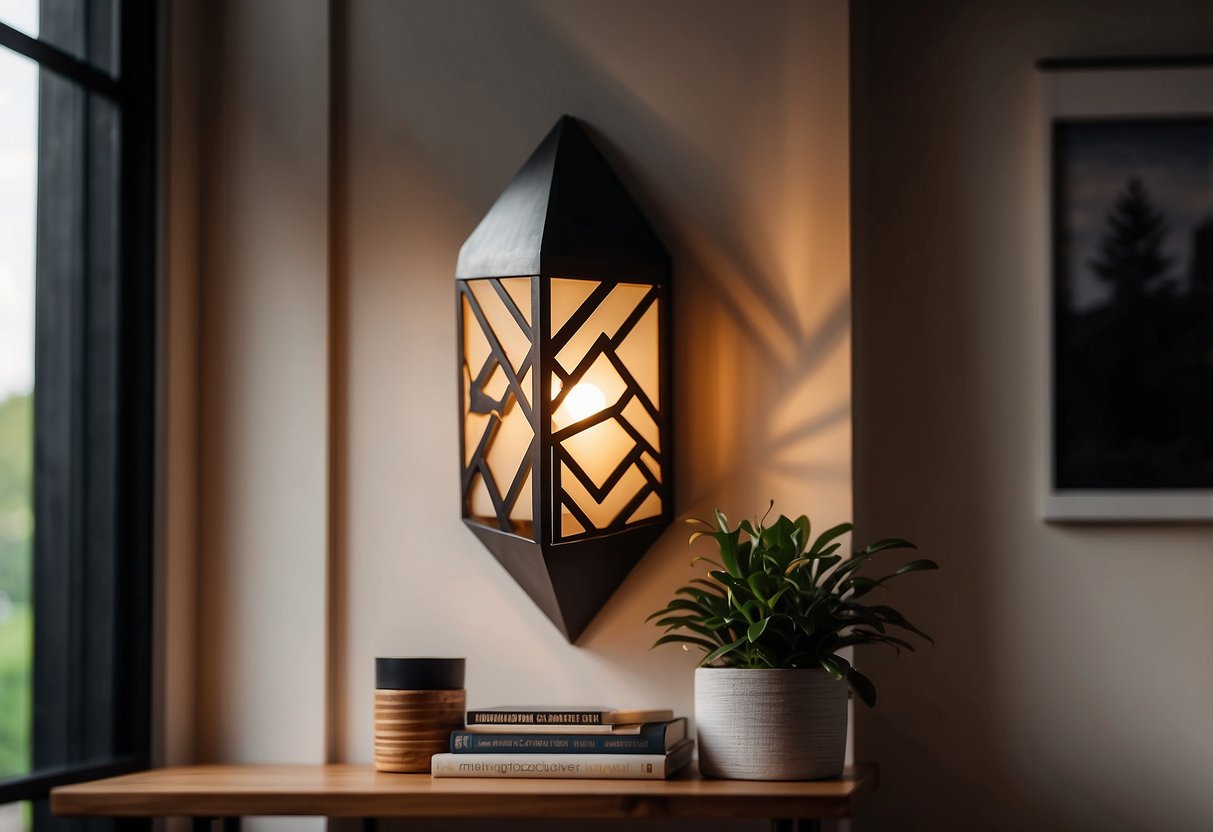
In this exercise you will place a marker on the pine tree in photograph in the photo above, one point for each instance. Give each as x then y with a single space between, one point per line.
1130 253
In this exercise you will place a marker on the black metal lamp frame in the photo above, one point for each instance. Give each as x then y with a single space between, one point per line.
565 215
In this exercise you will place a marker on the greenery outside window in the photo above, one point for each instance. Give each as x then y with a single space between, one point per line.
77 367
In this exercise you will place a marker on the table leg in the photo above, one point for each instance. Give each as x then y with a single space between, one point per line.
203 824
370 825
231 824
795 825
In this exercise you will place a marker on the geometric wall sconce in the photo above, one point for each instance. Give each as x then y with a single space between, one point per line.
564 389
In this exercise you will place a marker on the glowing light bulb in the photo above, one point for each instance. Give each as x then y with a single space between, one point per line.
583 401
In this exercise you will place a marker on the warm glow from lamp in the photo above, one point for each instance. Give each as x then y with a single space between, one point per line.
582 402
563 293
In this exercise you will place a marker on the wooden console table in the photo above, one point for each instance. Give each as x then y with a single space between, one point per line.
225 793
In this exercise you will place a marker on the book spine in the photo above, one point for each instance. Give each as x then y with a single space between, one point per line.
555 766
467 742
535 718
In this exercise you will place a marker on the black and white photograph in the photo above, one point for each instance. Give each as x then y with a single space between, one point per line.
1133 303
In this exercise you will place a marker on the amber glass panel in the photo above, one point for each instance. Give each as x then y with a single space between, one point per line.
497 428
605 424
514 339
650 508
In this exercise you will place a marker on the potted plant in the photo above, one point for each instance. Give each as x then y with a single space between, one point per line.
771 617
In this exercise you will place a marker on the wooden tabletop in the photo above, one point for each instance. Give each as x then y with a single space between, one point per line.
359 791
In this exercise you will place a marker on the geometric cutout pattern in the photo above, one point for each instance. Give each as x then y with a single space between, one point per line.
606 456
498 422
650 508
607 471
566 475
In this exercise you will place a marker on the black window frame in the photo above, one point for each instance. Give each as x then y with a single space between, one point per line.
92 597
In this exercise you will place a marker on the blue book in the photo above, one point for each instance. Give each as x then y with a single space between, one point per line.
648 738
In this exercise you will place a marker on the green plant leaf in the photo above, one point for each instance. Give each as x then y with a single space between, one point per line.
727 542
868 637
895 618
888 543
756 630
824 562
858 586
855 615
863 687
758 606
707 632
702 597
826 537
854 564
760 658
827 551
836 666
745 550
795 564
805 528
920 565
736 585
722 651
711 601
755 583
765 514
779 593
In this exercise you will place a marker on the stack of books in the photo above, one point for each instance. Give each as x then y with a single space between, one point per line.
567 742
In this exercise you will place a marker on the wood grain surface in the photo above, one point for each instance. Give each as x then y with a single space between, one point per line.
411 726
359 791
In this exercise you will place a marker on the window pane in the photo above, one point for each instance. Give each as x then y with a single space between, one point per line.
16 817
85 29
20 14
18 188
77 661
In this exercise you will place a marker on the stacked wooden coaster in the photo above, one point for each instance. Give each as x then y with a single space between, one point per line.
418 703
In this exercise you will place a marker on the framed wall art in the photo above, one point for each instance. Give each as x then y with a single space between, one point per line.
1131 299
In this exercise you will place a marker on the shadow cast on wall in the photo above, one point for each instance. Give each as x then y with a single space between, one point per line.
728 123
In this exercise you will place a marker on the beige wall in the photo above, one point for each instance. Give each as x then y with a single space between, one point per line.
730 122
1072 686
263 393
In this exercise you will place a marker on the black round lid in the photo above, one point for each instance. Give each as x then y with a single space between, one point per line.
419 674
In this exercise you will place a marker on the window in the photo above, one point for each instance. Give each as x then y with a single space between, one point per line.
77 363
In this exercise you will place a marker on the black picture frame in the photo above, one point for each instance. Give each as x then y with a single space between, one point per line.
1130 260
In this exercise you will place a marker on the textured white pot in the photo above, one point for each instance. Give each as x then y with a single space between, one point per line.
770 724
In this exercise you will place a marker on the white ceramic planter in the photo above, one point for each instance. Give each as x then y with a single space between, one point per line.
770 724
